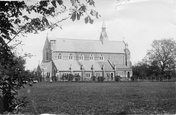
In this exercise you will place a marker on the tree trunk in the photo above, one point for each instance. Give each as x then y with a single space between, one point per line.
1 105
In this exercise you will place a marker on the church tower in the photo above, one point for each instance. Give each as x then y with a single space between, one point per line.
127 53
47 51
103 35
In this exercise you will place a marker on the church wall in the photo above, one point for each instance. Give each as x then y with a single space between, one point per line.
118 59
54 56
53 44
114 58
45 53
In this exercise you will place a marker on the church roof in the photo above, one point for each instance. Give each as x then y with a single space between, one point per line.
88 64
63 65
106 64
77 45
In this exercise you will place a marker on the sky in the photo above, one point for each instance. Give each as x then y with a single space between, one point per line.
137 22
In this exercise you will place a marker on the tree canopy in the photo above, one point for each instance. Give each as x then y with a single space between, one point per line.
160 60
20 17
163 53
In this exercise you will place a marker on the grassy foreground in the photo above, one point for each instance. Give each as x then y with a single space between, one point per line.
101 98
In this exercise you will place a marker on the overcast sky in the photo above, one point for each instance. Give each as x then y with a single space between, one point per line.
137 22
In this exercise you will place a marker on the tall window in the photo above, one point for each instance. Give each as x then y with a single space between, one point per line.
97 74
47 56
91 57
87 74
81 57
123 60
59 56
70 57
101 57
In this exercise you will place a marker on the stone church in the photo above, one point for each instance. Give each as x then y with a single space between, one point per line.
86 57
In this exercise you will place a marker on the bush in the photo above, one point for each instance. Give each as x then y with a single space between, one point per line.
101 79
93 78
151 77
63 77
167 76
70 77
134 78
117 78
77 77
160 77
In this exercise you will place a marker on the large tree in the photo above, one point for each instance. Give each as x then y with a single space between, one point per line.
20 17
140 69
144 69
163 53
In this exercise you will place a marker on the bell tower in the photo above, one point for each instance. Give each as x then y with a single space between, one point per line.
103 35
47 51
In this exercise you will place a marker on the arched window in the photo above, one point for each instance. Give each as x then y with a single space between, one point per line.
91 57
124 60
47 56
59 56
70 57
81 57
101 57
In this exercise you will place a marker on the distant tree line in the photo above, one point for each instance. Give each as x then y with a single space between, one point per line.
159 63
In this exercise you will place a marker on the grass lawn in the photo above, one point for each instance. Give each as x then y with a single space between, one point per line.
101 98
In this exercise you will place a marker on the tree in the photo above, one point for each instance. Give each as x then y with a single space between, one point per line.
18 18
141 69
12 78
163 53
154 69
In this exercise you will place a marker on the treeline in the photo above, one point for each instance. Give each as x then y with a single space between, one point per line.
159 63
144 71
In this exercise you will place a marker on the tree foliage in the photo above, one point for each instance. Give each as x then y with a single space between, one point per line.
140 69
163 53
20 17
159 61
144 69
12 77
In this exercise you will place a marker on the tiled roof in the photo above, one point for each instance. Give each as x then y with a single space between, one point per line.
107 66
88 64
64 65
76 45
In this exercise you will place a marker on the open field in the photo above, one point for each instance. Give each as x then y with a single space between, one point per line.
101 98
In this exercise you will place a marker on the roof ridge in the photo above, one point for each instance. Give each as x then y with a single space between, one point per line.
76 39
84 39
114 41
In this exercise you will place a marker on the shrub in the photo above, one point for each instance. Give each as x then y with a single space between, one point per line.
70 77
101 79
93 78
152 77
134 78
160 77
63 77
77 77
167 76
117 78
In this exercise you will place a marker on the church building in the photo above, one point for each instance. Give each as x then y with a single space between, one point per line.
86 57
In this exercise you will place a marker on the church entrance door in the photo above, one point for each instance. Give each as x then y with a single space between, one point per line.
112 75
128 74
